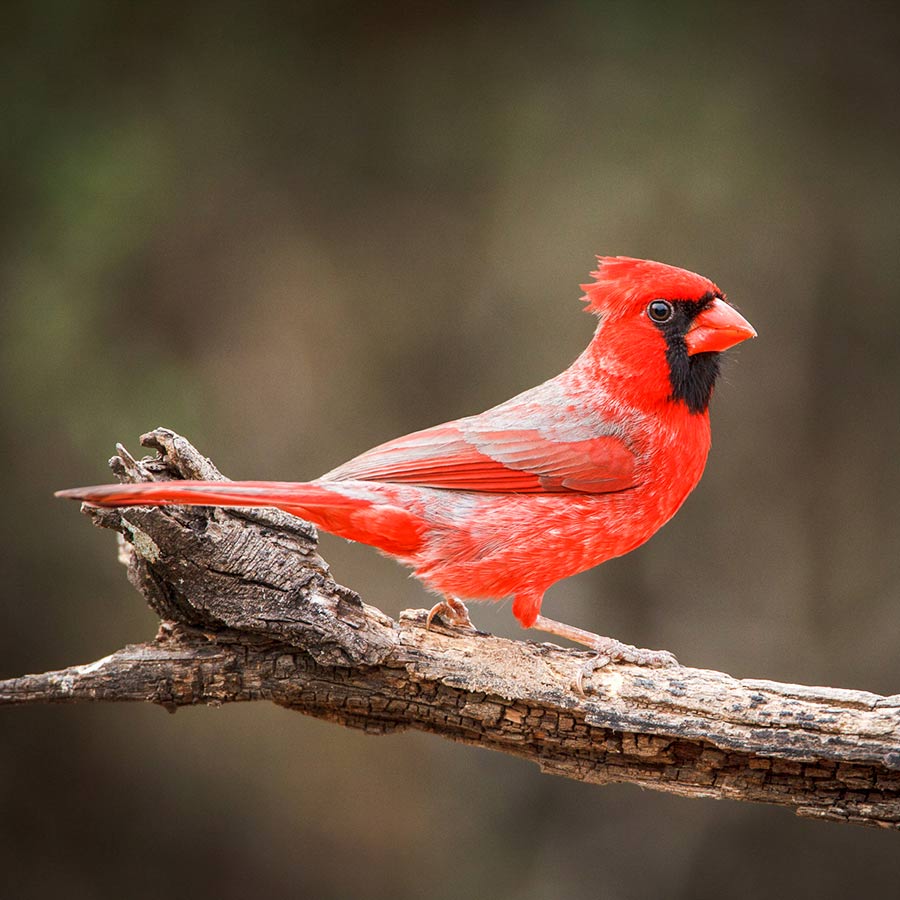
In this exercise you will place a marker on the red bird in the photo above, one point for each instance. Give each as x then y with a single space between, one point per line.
585 467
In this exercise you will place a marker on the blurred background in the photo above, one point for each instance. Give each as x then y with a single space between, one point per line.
292 232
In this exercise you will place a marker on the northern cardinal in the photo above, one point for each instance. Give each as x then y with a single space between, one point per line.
583 468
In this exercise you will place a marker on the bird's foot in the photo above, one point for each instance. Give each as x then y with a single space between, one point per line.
452 611
608 650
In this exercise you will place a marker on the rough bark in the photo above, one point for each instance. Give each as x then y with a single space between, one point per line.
250 612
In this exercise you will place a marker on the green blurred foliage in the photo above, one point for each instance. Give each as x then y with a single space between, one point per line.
293 231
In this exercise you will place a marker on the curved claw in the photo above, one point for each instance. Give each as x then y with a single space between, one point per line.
452 611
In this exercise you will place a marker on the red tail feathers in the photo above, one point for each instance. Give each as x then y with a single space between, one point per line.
380 524
208 493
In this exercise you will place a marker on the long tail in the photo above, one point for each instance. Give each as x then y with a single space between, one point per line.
382 525
206 493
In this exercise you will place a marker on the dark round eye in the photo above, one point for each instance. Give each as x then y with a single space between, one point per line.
660 310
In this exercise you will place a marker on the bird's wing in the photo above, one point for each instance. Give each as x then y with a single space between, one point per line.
477 454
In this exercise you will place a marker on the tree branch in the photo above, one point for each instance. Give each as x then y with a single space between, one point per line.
250 612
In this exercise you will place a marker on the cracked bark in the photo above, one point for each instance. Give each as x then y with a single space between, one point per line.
250 612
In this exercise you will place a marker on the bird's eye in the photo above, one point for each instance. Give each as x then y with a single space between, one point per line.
660 310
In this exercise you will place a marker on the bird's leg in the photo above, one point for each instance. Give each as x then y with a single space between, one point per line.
453 611
608 649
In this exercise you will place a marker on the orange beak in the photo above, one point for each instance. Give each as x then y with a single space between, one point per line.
717 328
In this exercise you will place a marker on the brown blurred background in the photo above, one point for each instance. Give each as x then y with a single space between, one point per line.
292 233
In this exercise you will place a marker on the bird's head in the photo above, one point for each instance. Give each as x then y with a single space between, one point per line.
663 325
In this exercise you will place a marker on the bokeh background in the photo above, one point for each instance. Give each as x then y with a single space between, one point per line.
292 232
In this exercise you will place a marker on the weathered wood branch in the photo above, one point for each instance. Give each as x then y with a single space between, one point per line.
250 612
